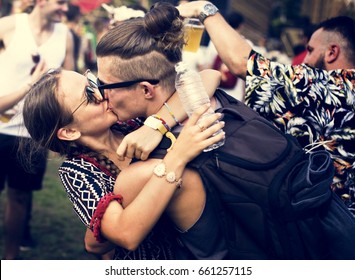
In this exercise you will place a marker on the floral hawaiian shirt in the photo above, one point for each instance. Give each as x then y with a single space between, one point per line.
315 106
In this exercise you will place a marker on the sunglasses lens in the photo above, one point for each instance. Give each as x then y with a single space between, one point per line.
90 94
92 80
93 84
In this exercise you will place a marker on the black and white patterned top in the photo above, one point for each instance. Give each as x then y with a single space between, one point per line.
86 181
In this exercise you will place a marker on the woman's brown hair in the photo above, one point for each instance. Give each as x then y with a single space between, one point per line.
43 115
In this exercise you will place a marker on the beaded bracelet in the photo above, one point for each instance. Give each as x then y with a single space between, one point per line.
95 223
162 121
172 114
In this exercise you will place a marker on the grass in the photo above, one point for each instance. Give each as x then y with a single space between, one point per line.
55 227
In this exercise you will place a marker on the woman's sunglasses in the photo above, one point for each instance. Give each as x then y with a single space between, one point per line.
91 91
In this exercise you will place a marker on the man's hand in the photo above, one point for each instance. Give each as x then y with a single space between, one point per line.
38 71
139 143
191 9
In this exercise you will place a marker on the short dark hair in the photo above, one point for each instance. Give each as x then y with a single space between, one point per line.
345 27
235 19
73 12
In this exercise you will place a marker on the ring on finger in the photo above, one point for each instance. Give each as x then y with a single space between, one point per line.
201 126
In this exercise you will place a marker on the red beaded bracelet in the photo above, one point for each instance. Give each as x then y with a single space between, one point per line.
95 223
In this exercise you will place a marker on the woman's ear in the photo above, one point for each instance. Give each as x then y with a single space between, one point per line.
68 134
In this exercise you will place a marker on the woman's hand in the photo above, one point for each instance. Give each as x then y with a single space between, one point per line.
141 142
197 134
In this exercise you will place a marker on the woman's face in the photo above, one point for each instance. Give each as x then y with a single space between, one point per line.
90 112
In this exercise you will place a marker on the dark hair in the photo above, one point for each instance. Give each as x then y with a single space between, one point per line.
43 114
235 19
345 27
146 47
73 12
137 7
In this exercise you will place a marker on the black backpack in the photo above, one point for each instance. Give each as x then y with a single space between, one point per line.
274 200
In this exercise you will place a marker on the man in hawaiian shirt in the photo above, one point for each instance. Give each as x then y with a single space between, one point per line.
313 101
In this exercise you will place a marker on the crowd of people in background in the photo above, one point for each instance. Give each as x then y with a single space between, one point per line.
330 120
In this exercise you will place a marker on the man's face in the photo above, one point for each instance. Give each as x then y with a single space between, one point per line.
55 10
126 103
316 50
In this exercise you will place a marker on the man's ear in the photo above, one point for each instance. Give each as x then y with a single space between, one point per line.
68 134
149 90
332 53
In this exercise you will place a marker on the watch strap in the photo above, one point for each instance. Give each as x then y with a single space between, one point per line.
155 123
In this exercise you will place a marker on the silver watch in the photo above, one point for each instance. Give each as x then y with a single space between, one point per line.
208 10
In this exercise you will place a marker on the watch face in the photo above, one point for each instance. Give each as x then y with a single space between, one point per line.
209 8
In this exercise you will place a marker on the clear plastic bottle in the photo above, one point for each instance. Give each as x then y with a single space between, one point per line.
192 94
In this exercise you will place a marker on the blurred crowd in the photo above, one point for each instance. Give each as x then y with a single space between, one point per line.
86 30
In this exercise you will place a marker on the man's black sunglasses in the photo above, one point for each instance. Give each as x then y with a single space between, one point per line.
102 86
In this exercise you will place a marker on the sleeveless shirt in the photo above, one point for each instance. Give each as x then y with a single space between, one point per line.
16 64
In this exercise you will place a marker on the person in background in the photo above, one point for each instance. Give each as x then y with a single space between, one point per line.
73 18
31 41
313 101
230 83
301 50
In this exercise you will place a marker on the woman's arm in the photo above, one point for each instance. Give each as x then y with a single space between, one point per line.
128 226
68 63
94 247
141 142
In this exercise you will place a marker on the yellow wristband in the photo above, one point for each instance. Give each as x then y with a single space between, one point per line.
155 124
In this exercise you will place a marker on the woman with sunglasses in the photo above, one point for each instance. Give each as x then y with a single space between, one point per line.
65 112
